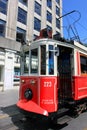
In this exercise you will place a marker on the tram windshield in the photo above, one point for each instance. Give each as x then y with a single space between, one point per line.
38 60
24 61
34 61
51 60
43 60
47 58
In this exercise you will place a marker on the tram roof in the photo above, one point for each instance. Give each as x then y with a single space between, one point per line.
72 44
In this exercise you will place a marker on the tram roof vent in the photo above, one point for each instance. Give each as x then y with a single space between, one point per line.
45 33
59 38
62 39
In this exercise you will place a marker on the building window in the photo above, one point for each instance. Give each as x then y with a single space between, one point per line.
57 23
37 8
58 1
83 64
22 15
17 58
2 27
49 4
49 17
49 28
57 11
37 24
21 35
3 6
24 2
1 73
16 74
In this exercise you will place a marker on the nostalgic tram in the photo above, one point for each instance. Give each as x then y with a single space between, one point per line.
53 76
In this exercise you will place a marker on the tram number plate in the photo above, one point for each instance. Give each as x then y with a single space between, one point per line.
47 84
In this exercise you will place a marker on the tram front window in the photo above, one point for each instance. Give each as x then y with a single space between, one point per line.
51 60
34 61
43 59
26 62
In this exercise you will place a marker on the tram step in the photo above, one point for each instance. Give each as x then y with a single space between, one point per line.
62 112
64 119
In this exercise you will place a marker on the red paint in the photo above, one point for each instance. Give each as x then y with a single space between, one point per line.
27 84
79 87
48 33
48 93
78 64
45 94
31 107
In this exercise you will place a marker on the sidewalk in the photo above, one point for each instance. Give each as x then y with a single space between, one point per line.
9 97
9 113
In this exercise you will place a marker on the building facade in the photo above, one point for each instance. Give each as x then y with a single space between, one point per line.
21 21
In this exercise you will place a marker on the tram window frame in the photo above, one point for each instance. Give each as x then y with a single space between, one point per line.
83 62
33 55
51 60
43 60
26 62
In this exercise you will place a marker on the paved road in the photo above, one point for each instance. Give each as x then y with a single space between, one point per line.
79 123
11 119
14 122
9 97
9 114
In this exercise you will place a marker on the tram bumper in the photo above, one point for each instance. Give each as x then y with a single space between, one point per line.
31 106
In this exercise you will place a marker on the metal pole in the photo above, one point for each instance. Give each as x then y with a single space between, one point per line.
66 14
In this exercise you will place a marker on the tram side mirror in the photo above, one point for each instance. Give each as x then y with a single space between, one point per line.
56 51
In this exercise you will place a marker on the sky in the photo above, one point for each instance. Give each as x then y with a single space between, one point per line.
75 24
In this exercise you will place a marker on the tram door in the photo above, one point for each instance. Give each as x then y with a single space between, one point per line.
64 70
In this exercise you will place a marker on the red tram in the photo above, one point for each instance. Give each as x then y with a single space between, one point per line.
53 76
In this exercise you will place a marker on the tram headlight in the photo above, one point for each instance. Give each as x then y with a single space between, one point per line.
28 94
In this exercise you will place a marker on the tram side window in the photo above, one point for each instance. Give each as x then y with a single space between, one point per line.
83 64
26 62
51 60
43 59
34 61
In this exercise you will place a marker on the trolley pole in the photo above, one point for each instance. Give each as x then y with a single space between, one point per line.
67 14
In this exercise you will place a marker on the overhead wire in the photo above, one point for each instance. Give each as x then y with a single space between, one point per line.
76 21
68 21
